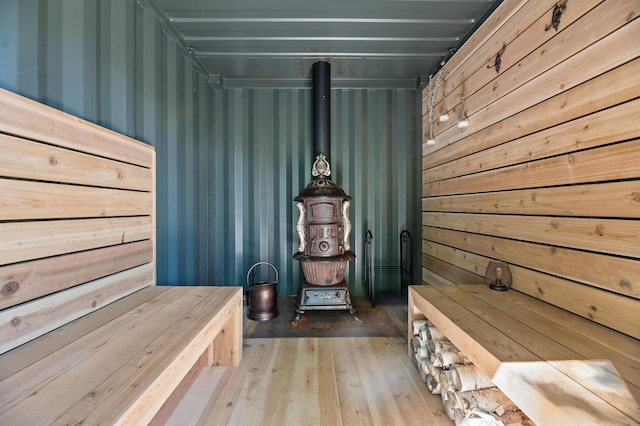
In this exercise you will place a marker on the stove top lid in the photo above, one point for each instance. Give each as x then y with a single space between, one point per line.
322 187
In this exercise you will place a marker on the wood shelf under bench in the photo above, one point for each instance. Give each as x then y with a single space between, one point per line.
557 367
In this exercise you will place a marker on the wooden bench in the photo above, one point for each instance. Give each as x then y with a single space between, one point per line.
85 334
557 367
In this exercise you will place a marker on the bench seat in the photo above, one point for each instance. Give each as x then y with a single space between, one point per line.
119 364
558 368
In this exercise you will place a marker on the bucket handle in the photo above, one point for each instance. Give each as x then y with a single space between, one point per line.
255 266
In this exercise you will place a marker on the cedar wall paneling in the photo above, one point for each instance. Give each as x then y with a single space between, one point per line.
546 177
71 194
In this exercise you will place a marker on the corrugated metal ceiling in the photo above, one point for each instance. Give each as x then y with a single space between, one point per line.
369 43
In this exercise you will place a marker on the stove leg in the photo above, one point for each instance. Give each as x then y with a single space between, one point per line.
296 318
353 310
299 304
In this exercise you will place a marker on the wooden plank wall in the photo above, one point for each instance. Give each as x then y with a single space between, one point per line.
77 218
546 177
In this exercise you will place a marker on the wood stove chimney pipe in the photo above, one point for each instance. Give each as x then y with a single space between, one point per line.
321 74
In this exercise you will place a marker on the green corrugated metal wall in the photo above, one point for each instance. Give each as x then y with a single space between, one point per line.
262 159
229 161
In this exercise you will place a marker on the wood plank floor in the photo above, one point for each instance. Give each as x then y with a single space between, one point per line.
314 381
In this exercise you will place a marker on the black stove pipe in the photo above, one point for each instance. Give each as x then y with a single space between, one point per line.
321 74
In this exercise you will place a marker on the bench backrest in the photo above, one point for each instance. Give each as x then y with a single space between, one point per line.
77 218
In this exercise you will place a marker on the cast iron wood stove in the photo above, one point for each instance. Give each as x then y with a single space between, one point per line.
323 226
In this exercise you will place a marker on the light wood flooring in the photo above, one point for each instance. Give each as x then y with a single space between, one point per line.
313 381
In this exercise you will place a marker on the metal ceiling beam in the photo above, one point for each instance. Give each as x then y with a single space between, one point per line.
323 54
173 34
372 43
395 21
305 83
305 38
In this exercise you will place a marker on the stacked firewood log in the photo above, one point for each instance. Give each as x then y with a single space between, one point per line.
468 396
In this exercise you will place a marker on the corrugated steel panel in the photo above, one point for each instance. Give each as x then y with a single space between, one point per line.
229 161
262 159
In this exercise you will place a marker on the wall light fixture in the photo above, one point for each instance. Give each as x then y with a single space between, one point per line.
444 114
431 98
464 120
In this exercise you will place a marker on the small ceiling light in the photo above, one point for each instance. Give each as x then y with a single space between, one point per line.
431 141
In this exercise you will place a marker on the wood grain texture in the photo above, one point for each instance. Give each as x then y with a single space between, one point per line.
429 276
532 51
86 335
604 91
522 87
104 346
607 308
523 42
614 162
545 178
616 124
124 369
613 236
53 341
154 222
27 321
617 312
34 240
435 260
77 217
616 274
607 199
32 160
38 278
318 381
557 347
226 347
158 368
25 117
574 334
559 64
162 417
539 373
479 48
193 401
25 200
471 267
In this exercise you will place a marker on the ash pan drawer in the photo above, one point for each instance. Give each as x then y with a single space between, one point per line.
326 297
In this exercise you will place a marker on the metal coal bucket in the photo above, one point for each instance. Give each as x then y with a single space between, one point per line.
262 297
